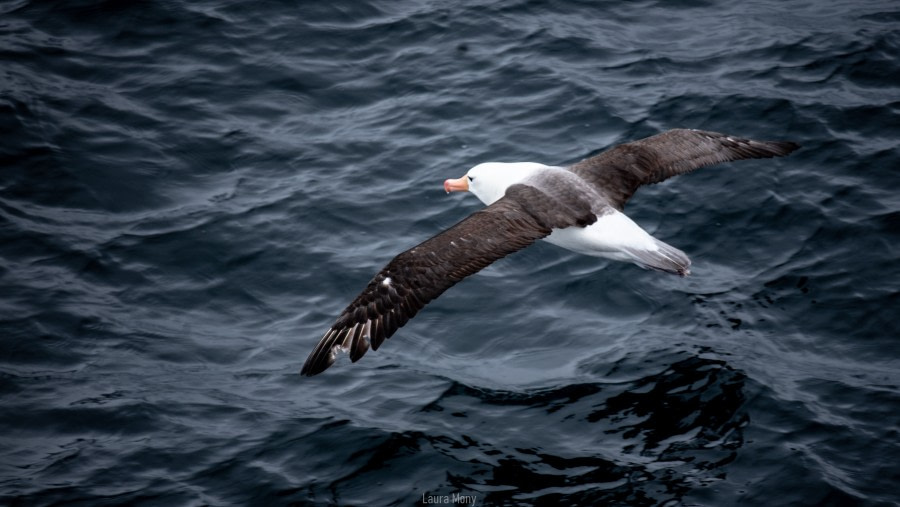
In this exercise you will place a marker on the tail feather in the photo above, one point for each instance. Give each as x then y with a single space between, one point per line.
664 258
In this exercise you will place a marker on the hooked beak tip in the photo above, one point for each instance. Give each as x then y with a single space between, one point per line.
457 185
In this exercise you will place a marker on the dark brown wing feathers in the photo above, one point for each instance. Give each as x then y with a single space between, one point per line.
417 276
619 171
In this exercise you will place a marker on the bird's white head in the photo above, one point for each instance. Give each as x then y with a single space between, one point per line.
489 181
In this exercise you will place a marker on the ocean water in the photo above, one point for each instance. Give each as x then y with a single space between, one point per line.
190 193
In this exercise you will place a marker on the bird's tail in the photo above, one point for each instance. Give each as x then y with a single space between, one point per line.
662 258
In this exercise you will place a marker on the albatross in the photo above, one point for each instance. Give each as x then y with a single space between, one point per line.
578 207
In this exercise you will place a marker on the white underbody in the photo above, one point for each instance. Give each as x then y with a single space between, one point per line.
607 237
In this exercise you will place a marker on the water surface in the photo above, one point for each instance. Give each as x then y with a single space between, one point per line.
192 191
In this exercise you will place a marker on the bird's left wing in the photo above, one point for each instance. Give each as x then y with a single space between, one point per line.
417 276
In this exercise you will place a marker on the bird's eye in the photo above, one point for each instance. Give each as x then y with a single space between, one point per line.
470 178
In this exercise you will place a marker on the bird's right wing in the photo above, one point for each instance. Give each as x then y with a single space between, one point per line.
417 276
619 171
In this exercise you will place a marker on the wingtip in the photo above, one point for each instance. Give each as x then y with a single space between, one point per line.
313 367
787 147
354 340
323 356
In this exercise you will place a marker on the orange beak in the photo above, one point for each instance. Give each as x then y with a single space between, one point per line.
457 185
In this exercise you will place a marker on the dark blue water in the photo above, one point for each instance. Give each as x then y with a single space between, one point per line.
190 192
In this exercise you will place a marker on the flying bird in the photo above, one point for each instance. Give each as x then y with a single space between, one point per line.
579 207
